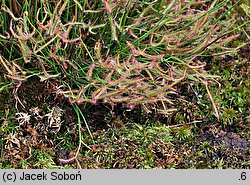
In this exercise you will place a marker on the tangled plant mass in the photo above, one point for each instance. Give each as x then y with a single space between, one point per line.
128 52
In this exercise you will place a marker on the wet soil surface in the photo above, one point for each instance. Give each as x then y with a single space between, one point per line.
228 140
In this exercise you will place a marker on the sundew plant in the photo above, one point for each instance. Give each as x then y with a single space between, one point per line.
133 53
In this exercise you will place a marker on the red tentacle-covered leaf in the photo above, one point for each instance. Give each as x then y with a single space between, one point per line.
90 72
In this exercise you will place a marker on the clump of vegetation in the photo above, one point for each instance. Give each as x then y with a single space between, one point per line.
156 47
132 61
